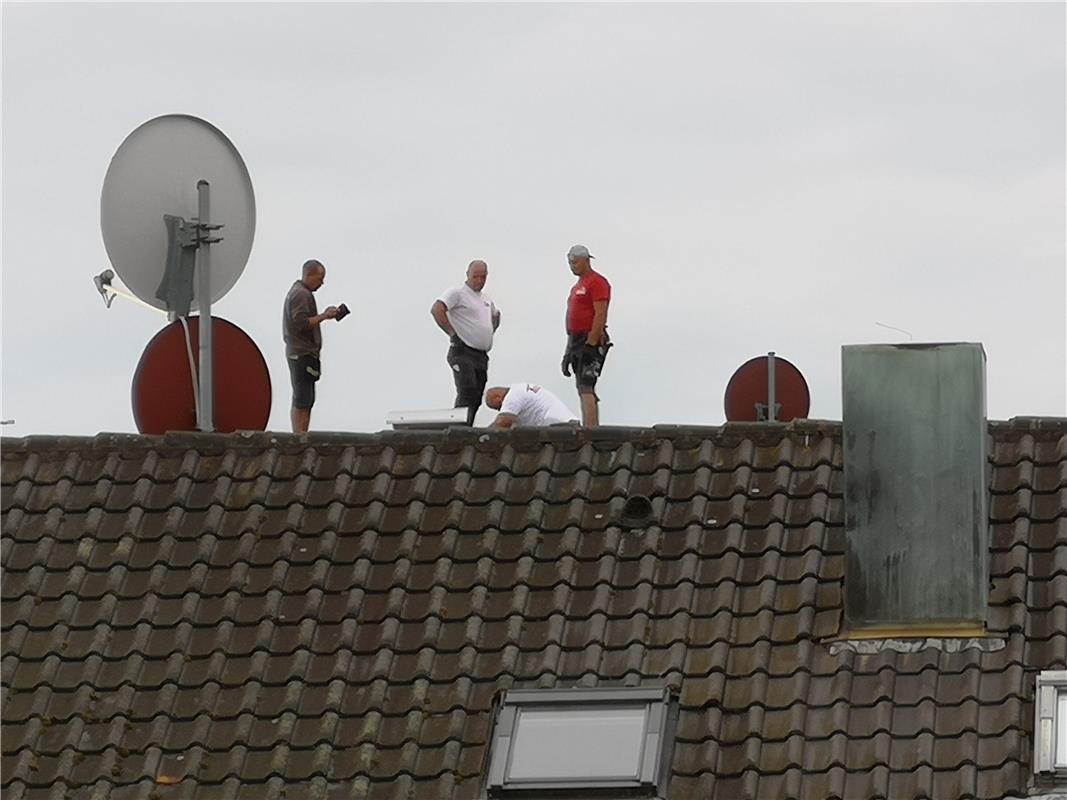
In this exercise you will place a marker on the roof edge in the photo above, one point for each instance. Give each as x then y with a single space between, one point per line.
762 432
728 433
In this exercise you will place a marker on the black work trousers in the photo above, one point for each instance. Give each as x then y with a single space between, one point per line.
470 370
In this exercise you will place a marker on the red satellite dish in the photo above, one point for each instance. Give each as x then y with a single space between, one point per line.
162 393
748 392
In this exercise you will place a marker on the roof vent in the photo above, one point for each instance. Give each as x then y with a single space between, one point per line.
637 512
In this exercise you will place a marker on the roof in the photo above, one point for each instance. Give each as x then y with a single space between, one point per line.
331 616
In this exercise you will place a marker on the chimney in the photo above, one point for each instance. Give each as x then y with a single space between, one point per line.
916 525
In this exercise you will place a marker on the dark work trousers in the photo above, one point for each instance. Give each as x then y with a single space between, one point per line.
470 370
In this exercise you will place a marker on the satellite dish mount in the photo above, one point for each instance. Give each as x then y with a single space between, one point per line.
189 244
768 412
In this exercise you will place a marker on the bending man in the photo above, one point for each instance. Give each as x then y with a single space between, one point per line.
527 404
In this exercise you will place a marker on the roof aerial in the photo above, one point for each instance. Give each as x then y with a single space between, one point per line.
155 172
159 231
767 389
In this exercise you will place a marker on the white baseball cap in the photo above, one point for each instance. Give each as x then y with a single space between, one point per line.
579 251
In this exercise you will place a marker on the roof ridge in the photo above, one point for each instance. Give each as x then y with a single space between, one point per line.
460 435
763 432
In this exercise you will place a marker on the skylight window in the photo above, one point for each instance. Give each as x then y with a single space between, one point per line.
1061 730
1050 723
587 742
546 739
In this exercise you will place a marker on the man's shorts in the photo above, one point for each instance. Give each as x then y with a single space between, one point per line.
587 362
303 380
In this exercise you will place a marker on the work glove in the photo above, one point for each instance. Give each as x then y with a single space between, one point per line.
565 365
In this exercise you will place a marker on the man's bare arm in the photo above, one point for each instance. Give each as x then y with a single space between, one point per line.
305 321
318 319
496 319
504 421
600 320
437 311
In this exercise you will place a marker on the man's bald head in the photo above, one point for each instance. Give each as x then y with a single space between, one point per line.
494 396
477 273
313 274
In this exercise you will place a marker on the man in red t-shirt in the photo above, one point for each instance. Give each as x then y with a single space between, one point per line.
587 330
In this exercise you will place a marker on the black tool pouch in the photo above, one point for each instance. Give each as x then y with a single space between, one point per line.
313 367
597 349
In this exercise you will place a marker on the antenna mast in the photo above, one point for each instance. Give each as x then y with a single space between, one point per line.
206 415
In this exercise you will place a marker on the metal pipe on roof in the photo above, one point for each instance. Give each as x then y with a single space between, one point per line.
206 411
771 415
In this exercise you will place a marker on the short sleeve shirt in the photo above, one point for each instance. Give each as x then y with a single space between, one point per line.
300 338
471 314
591 287
535 405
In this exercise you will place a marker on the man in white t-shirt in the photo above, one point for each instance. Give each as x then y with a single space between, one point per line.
469 317
527 404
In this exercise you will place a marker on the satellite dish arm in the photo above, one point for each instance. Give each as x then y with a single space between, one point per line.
109 292
103 285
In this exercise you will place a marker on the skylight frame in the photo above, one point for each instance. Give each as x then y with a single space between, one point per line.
657 738
1050 726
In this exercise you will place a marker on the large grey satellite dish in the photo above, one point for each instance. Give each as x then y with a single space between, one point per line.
155 173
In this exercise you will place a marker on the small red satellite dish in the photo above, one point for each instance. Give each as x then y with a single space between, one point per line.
162 393
748 392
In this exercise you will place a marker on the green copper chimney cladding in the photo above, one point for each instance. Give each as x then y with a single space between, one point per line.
916 524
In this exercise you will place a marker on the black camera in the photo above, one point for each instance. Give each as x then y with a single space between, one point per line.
342 312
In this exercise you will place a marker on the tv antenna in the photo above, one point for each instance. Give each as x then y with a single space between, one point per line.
767 389
162 385
172 186
894 328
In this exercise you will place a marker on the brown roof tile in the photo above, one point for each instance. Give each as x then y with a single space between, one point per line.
333 616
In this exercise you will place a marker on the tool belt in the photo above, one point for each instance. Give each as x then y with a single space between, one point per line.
576 344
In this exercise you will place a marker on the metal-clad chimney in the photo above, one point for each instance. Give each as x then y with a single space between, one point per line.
916 524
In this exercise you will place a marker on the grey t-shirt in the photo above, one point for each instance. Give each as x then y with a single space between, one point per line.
300 338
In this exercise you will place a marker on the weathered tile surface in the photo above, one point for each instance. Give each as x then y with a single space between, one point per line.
266 616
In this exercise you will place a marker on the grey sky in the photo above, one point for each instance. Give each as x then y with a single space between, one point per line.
750 177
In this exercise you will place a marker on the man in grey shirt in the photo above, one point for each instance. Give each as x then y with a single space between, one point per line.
469 317
303 340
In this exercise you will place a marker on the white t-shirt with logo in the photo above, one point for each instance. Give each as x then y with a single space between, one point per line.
471 314
535 405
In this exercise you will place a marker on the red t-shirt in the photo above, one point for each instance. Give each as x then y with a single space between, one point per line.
592 286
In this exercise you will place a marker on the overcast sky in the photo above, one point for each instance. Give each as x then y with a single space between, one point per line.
750 177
